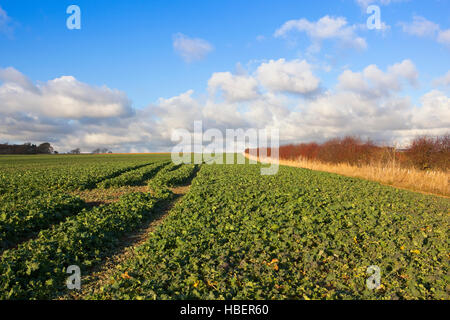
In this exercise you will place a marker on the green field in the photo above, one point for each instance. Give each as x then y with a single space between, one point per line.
235 234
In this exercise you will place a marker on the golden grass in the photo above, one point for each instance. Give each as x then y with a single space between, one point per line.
434 182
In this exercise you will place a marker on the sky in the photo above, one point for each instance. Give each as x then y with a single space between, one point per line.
136 70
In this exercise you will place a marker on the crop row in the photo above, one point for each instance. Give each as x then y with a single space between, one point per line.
18 219
36 268
134 177
173 177
296 235
23 213
73 177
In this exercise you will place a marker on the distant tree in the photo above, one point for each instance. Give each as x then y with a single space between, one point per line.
101 150
45 148
75 151
26 148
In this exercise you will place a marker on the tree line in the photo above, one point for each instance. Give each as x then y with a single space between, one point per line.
424 152
27 148
43 148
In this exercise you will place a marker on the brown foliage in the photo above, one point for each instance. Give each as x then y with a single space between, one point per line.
430 153
424 152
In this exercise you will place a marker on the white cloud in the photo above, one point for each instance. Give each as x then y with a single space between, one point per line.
267 110
234 87
63 97
287 76
368 102
374 82
5 22
365 3
443 81
177 112
405 69
13 77
103 138
444 37
434 112
420 27
326 28
191 49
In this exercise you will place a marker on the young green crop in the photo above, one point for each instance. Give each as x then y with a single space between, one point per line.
299 234
296 235
66 175
21 217
31 207
134 177
36 268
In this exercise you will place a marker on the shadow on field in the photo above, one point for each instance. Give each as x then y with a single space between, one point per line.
100 273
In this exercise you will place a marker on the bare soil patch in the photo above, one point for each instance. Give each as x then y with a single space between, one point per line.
99 196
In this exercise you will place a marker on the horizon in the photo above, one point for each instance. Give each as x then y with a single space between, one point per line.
133 72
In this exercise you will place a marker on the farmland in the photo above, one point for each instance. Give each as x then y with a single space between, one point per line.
235 234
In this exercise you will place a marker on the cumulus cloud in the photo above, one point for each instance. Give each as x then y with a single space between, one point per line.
191 49
288 76
434 112
368 102
234 87
63 97
12 77
374 82
177 112
326 28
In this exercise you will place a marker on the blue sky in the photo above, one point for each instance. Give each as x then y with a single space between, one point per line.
129 45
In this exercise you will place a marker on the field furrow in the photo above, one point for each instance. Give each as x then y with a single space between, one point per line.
133 177
297 235
20 219
36 268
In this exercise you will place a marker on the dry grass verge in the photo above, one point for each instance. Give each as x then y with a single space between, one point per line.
434 182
